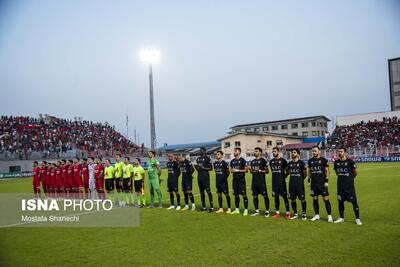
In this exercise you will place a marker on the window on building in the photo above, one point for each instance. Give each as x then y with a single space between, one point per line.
305 133
227 156
295 134
325 124
304 124
269 143
313 124
284 126
266 129
227 144
321 124
314 133
295 125
274 128
237 143
258 141
279 143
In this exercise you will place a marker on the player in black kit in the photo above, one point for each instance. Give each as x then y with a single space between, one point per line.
258 169
203 166
221 169
173 174
346 171
279 171
298 172
318 173
238 170
187 170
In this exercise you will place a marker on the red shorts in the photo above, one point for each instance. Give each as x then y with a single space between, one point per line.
69 185
78 182
86 182
36 183
99 184
59 183
44 184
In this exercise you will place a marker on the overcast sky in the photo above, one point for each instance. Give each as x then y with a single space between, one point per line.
222 62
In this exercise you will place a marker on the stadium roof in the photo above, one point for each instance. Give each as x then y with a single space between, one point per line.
191 146
299 146
282 121
261 134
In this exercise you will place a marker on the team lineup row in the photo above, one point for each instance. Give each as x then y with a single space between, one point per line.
86 177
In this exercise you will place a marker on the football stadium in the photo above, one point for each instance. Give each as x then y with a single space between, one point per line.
191 152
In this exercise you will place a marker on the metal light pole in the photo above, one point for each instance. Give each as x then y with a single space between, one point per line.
152 122
151 56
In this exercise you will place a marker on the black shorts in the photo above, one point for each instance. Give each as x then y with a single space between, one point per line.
109 184
138 185
187 183
127 184
118 183
222 186
279 187
296 189
346 193
258 186
319 190
239 186
204 183
172 184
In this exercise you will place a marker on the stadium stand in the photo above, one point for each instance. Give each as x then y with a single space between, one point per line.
49 137
383 133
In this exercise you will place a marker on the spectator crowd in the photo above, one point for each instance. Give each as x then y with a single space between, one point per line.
383 133
54 135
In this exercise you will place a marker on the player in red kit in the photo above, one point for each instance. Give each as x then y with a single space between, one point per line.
99 178
48 181
59 181
85 176
52 184
78 178
36 179
43 176
64 177
70 178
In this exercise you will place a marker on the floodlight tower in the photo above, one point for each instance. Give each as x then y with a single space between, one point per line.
150 57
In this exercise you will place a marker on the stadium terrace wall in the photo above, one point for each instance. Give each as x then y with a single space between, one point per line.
357 118
25 166
378 159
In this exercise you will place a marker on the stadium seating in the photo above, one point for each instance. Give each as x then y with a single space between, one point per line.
383 133
53 135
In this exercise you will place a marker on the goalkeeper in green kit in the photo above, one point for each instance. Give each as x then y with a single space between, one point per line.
154 172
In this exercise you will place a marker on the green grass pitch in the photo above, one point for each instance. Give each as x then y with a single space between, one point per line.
169 237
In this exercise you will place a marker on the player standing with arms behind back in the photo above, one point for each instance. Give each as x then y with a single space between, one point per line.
203 166
36 179
298 172
258 169
173 174
279 173
221 176
239 169
346 171
318 169
187 170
